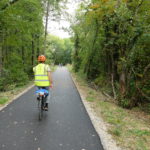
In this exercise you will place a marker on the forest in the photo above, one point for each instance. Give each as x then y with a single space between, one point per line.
109 44
23 37
112 48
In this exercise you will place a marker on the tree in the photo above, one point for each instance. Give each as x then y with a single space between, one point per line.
59 50
110 38
20 29
52 12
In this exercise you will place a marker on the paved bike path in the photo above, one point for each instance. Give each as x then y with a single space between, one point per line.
66 126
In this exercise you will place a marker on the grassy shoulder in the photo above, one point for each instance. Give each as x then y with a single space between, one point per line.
129 128
7 96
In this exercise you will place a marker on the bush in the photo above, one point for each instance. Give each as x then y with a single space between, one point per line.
124 102
13 75
100 81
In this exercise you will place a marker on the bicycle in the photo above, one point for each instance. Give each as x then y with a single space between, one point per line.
42 94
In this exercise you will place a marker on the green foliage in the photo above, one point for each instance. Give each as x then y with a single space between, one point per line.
111 45
21 39
3 100
100 81
124 102
116 132
59 50
140 132
90 98
17 74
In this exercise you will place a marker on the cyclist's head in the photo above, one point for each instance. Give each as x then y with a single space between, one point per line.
41 58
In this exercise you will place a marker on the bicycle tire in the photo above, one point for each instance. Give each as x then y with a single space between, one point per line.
40 107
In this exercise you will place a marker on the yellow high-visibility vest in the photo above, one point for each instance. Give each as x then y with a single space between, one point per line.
41 75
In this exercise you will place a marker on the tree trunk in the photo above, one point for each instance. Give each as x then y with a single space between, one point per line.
22 51
1 53
1 61
76 57
123 83
113 86
32 50
113 73
107 64
46 25
90 58
38 47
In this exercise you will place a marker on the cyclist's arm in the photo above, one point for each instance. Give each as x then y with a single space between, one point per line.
33 69
50 77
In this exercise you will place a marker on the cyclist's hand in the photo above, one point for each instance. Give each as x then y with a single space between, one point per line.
51 86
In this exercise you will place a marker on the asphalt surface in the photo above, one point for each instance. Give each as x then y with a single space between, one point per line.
66 126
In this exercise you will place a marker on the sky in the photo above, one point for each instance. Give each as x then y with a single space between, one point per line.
55 28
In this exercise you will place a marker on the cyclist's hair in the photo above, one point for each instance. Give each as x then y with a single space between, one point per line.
41 62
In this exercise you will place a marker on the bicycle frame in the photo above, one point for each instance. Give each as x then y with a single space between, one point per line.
42 93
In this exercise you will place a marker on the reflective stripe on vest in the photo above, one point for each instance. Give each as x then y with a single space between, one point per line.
41 75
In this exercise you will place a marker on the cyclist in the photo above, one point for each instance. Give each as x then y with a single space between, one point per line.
43 78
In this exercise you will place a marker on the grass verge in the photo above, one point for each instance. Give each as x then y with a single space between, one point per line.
129 128
5 97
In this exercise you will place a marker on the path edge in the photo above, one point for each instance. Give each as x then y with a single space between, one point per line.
16 97
100 126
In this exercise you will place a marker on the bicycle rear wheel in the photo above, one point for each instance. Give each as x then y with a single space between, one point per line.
40 107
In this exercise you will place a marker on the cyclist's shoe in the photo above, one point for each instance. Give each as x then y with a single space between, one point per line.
46 107
38 98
